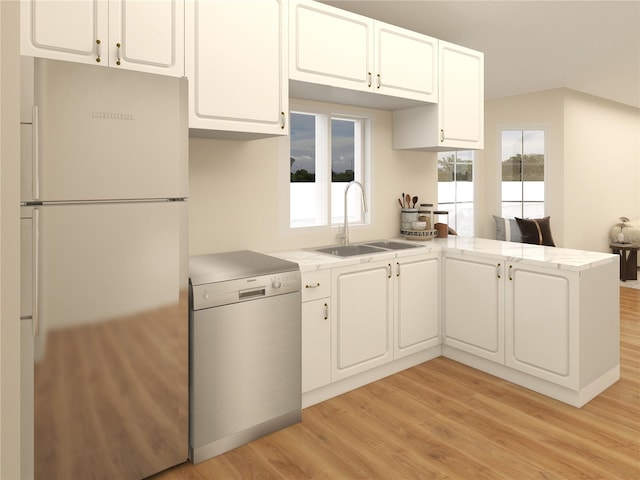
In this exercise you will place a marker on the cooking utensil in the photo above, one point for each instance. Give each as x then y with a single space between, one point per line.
408 199
402 197
415 201
400 202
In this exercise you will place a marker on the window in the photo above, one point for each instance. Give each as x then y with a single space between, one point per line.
327 152
522 162
455 189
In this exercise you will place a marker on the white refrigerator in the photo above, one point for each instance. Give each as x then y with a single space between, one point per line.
104 273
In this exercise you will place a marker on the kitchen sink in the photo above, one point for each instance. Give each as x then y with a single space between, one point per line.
349 250
363 248
391 245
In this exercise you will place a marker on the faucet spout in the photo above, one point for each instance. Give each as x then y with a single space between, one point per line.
345 228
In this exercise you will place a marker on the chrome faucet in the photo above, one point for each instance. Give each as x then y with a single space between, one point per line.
345 229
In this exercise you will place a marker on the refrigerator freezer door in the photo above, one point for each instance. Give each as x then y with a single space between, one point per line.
108 134
111 357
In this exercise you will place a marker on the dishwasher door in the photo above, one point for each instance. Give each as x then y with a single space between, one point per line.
245 372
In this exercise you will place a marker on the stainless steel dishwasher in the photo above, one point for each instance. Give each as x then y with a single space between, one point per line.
245 349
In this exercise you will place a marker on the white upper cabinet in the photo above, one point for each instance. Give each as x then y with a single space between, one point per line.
406 63
351 55
457 121
146 36
236 62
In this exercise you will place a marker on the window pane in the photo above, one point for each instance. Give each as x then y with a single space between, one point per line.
511 156
342 150
533 155
303 147
446 167
512 209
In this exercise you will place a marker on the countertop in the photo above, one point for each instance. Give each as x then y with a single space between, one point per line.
562 258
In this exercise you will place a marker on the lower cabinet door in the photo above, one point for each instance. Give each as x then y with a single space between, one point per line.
473 306
362 318
316 344
540 337
416 303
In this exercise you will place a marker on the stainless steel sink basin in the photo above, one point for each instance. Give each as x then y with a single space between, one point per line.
363 248
391 245
349 250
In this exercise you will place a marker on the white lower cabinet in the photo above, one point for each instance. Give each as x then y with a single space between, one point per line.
473 305
361 317
542 329
316 330
416 304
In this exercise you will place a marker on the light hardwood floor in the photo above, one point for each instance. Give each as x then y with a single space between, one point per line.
443 420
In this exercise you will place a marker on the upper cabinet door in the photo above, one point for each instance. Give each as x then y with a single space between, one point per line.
406 63
62 30
330 46
236 62
147 36
461 97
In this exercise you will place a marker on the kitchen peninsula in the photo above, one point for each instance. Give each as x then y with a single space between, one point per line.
541 317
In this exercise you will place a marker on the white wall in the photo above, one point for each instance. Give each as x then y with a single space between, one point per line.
235 189
593 163
602 165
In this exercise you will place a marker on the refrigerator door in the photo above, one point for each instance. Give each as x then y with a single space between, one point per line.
111 344
107 134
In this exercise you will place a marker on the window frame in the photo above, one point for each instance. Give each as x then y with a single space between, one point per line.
455 203
523 127
362 168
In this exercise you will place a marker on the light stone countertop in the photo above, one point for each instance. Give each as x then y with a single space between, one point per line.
562 258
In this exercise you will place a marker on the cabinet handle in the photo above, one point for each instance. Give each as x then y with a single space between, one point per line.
510 275
118 54
389 273
313 286
498 270
379 81
442 135
397 269
35 142
326 311
98 50
369 77
35 258
283 121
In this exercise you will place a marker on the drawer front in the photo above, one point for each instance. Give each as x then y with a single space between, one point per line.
316 285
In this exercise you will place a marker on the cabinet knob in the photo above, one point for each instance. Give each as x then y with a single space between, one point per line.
118 53
498 270
379 80
283 121
442 135
369 79
326 311
98 50
510 274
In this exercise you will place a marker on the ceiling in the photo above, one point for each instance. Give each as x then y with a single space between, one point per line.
530 46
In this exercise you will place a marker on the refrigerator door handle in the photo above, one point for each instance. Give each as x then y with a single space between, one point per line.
35 142
35 314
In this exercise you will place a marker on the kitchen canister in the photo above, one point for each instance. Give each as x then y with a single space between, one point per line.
425 214
407 217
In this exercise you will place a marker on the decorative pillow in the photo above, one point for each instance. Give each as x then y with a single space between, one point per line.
507 229
536 231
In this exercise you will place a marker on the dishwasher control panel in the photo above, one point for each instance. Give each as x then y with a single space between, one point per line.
215 294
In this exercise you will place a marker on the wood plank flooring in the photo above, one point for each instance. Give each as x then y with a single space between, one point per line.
443 420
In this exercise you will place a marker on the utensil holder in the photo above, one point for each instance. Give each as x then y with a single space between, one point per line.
407 216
